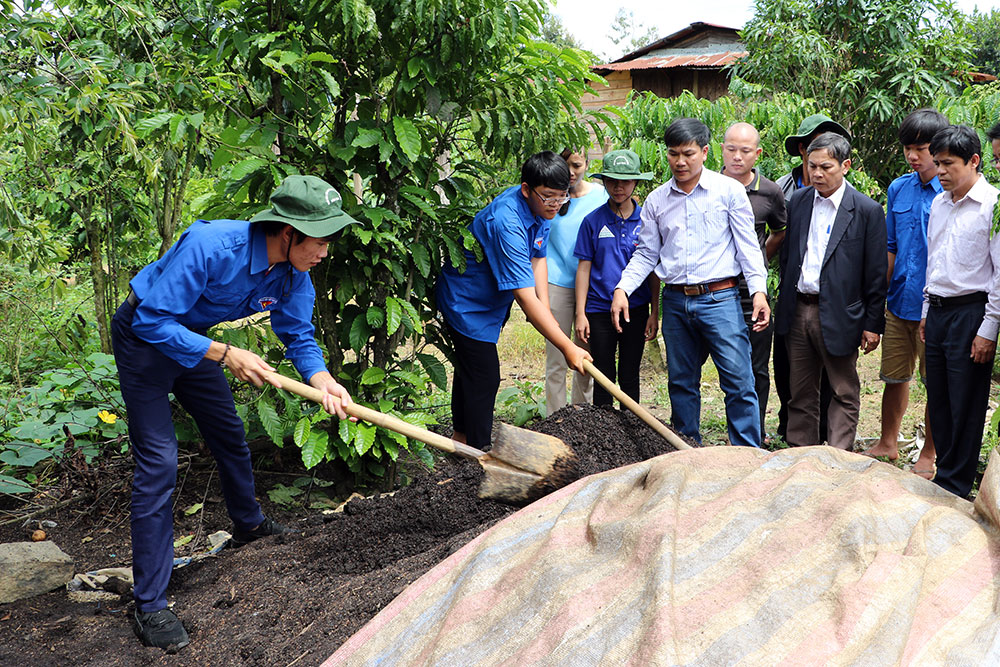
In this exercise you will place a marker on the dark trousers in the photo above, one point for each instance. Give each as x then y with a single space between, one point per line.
958 392
783 388
760 355
474 388
605 341
147 377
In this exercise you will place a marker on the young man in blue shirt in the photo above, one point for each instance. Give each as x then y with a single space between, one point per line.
907 210
217 271
513 231
606 241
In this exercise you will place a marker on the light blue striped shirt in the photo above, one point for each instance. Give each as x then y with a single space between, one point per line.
702 237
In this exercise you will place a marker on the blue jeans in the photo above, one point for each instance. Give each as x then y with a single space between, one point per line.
713 323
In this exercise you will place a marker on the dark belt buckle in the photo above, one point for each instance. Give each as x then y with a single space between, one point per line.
935 300
693 290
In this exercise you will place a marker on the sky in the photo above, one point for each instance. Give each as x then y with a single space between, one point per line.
590 20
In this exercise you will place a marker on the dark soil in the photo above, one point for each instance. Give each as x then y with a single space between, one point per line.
288 599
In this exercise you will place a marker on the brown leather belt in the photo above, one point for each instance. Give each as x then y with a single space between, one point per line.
695 290
811 299
935 301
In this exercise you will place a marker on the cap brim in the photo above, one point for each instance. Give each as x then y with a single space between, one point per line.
792 142
644 176
314 228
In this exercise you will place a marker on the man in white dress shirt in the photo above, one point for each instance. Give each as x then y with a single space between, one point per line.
832 296
698 235
961 310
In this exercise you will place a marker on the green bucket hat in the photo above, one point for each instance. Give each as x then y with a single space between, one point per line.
624 165
813 124
309 204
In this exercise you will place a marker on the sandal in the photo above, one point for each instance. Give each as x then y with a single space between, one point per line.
929 475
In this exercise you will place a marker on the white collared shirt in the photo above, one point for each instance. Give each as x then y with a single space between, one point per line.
963 256
824 213
697 238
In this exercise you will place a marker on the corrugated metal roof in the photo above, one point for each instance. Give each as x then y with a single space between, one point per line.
666 62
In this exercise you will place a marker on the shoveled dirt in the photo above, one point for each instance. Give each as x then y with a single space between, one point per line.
291 599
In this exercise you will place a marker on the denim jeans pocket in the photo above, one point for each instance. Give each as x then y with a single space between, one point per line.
723 295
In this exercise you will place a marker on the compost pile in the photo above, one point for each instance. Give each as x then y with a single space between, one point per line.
294 599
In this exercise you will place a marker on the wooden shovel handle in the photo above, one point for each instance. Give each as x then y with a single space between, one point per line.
630 403
379 418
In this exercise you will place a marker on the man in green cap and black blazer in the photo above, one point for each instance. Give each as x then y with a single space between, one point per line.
218 271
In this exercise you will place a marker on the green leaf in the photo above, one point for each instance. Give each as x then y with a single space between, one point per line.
408 137
178 128
332 86
271 422
10 484
367 137
359 334
393 314
181 541
314 450
194 509
372 375
364 439
435 369
422 259
147 125
301 433
247 167
375 316
283 495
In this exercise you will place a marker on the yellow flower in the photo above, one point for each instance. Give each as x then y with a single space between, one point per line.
107 417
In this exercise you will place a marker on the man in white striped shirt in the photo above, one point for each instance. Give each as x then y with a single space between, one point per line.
698 236
961 311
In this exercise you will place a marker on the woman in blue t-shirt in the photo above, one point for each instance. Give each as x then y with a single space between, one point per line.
604 245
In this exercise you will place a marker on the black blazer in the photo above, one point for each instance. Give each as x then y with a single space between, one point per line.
852 280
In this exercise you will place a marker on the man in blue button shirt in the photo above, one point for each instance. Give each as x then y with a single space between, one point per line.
217 271
909 205
513 231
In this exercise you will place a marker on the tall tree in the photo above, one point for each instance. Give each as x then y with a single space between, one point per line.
629 34
870 62
983 30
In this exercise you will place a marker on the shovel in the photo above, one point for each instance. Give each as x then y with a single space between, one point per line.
521 467
641 412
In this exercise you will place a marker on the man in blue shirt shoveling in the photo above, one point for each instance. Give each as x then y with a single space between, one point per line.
217 271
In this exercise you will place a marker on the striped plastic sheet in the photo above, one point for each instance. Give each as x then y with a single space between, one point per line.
714 556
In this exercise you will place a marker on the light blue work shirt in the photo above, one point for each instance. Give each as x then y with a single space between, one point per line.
909 205
559 258
476 303
218 272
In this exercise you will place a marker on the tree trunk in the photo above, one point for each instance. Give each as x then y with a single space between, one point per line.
97 274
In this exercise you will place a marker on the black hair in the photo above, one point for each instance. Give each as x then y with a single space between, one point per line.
959 140
921 126
545 169
568 151
275 227
684 131
835 144
993 133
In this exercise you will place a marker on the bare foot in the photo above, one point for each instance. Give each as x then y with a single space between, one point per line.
890 452
925 468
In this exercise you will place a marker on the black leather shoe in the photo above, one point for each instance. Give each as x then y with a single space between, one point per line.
266 527
161 629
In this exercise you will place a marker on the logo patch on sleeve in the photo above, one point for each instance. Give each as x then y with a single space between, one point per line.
265 302
538 242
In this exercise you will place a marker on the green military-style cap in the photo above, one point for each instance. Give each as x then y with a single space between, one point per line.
309 204
814 124
623 165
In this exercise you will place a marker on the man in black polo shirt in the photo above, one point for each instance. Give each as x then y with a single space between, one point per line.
740 150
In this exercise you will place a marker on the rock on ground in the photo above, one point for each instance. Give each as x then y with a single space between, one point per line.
32 568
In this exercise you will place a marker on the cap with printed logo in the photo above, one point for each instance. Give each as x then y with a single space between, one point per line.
814 124
622 165
309 204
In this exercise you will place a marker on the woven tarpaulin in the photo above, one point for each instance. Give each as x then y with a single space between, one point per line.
714 556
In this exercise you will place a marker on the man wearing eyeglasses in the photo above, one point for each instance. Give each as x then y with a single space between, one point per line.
513 232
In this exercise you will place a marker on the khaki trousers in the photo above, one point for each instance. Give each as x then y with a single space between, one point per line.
562 302
807 358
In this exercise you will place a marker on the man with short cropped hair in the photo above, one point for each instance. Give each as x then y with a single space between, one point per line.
740 150
832 296
698 235
961 308
513 231
909 205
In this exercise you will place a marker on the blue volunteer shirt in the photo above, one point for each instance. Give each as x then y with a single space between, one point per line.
559 258
476 303
909 205
218 272
608 242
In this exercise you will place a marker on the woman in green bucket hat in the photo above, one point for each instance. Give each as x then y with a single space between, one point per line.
607 239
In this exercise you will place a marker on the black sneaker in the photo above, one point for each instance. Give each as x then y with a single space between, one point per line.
161 629
266 527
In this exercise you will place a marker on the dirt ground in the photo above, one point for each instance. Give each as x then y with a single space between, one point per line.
289 600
